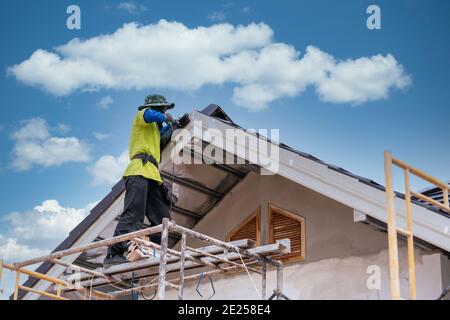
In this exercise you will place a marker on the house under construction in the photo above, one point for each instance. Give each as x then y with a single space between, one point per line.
310 231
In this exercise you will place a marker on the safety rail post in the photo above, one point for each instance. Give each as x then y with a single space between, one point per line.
163 259
392 229
410 238
263 281
16 286
58 290
225 254
279 280
445 196
182 260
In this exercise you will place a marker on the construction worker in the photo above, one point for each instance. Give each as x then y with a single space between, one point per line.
144 196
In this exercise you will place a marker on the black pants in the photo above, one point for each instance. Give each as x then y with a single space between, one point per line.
143 198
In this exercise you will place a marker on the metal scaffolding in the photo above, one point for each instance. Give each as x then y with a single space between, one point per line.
221 257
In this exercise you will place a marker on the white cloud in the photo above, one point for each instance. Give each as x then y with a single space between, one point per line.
47 221
105 102
361 80
100 136
217 16
131 7
34 146
350 81
186 59
108 170
36 232
10 250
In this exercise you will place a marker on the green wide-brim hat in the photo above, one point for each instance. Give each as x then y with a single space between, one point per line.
157 101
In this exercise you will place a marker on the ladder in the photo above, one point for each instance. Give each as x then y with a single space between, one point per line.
393 230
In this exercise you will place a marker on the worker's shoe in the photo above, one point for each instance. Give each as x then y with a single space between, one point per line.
114 260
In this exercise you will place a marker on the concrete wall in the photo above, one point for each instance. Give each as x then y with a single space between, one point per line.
338 250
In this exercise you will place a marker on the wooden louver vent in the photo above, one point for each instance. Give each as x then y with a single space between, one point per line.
249 229
285 225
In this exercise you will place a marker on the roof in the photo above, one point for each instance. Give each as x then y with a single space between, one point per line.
190 209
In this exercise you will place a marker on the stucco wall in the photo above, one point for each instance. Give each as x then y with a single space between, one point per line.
330 230
338 250
335 278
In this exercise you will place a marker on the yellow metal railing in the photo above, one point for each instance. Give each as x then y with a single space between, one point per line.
389 162
59 284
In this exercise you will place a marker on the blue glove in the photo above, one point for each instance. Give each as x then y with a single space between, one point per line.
154 116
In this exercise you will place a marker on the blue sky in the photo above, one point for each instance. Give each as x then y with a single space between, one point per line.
411 120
